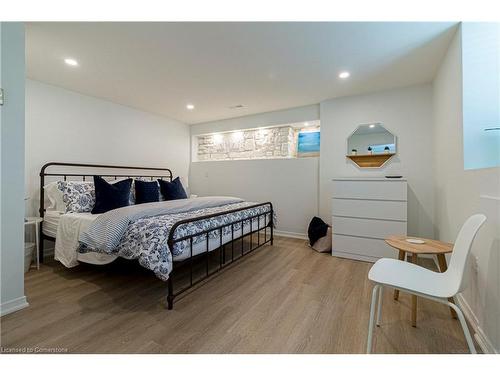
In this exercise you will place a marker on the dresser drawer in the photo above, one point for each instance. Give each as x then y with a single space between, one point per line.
379 189
361 248
367 227
373 209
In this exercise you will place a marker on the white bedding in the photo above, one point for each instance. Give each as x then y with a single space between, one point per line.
68 232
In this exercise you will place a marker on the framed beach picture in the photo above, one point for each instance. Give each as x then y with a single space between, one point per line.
308 143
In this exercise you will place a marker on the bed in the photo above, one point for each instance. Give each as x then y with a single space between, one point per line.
163 236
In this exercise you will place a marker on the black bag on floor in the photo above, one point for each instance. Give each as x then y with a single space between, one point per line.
317 229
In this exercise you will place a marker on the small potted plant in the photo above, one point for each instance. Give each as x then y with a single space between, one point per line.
354 151
370 150
387 150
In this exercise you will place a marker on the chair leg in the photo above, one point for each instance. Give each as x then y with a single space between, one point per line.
401 257
443 267
379 308
414 260
465 328
372 318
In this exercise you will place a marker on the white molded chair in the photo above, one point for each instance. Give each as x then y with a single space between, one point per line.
424 283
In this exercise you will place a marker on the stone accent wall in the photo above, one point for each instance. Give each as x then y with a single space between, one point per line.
263 143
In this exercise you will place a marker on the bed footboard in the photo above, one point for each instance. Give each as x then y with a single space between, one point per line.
236 235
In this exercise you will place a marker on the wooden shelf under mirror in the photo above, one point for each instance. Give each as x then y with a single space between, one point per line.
370 160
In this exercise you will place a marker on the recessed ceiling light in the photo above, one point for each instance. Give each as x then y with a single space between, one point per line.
306 124
71 62
344 75
190 106
372 125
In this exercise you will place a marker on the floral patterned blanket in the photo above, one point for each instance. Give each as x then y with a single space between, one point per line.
142 232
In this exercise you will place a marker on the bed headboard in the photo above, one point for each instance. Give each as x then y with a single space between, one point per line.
75 171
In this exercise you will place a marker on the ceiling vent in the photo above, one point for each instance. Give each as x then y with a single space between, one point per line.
237 106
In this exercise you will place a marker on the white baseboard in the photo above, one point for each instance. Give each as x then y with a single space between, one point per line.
282 233
363 258
479 335
13 305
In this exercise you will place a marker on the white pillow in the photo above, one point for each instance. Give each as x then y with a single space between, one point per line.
55 197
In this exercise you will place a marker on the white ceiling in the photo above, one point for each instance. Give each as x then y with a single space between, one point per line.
160 67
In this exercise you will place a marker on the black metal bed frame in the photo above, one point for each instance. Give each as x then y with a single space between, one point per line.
167 174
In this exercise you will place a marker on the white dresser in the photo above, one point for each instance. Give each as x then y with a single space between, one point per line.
364 212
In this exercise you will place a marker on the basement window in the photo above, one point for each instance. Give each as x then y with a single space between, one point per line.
285 141
481 94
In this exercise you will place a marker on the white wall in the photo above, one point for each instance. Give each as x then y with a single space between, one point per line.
286 116
460 193
407 113
12 167
62 125
290 184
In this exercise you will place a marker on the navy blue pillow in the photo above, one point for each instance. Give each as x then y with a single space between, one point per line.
110 196
146 192
172 190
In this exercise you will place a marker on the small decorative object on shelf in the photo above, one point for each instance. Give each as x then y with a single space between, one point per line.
354 151
370 150
387 150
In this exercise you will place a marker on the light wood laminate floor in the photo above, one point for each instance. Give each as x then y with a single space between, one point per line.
281 299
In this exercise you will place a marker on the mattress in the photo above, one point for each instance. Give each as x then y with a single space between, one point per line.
50 223
214 243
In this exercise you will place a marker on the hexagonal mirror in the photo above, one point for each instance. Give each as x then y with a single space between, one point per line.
371 145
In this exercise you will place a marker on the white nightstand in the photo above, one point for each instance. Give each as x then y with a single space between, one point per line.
36 222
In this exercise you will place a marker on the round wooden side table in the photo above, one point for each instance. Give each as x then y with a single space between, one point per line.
429 246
